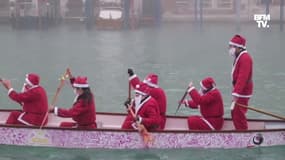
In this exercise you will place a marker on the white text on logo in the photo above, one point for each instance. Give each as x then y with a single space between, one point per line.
262 20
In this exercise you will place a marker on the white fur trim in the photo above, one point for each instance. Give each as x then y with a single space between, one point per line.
201 84
208 123
10 90
140 92
132 77
234 65
23 121
150 84
80 85
233 69
56 110
237 45
134 125
241 95
29 82
139 107
34 86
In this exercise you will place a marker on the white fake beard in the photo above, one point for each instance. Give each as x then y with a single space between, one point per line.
232 51
201 91
138 100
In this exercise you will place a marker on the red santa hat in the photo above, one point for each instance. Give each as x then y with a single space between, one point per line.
81 82
238 41
32 79
141 89
207 83
151 80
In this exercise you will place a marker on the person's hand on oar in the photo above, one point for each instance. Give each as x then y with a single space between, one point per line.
147 137
183 97
130 72
184 102
68 73
127 103
147 109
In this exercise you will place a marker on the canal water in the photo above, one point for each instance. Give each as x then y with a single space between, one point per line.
178 53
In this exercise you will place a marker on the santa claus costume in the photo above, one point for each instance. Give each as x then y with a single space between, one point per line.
33 100
154 91
145 108
83 111
242 71
210 104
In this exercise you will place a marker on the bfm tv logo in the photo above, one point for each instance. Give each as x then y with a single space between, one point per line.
262 20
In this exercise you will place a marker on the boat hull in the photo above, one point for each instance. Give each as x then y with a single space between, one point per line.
109 135
119 139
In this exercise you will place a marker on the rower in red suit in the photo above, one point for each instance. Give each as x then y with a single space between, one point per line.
209 102
83 111
154 91
32 98
145 108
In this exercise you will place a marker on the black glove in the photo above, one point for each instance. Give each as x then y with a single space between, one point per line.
127 102
130 72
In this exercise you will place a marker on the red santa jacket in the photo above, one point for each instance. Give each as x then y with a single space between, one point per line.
149 112
211 103
82 113
242 76
35 105
158 94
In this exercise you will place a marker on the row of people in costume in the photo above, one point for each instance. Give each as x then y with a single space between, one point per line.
149 103
209 100
34 102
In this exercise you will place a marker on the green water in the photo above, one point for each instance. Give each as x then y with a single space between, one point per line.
32 153
177 53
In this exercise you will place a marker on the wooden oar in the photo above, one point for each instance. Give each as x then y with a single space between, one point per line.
261 111
147 137
54 99
129 93
183 97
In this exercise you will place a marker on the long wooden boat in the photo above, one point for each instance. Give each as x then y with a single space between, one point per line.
109 135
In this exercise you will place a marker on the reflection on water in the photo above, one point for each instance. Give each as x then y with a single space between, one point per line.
37 153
